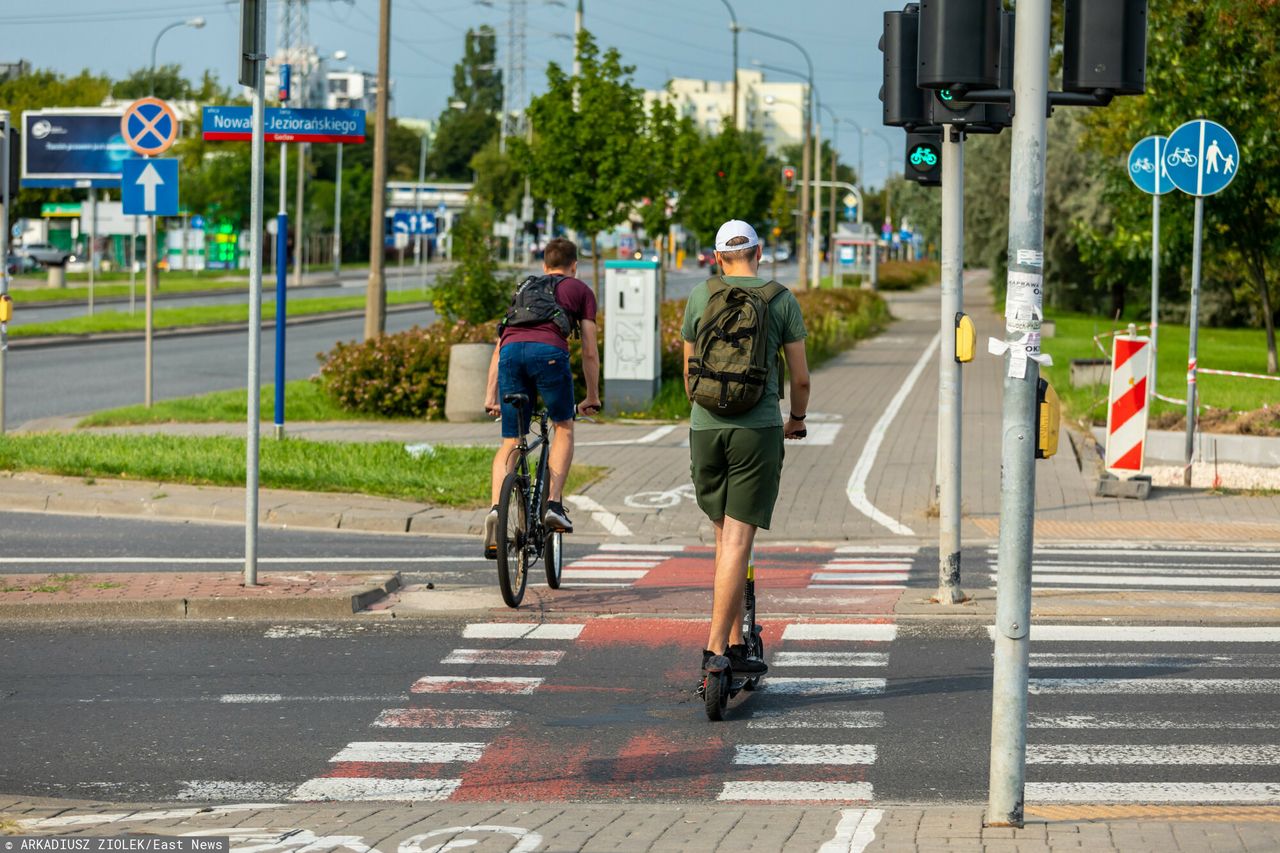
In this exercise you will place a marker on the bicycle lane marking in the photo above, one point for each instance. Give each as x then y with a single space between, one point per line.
857 488
610 522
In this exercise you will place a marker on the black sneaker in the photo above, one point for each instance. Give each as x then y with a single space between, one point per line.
743 665
711 663
556 518
491 534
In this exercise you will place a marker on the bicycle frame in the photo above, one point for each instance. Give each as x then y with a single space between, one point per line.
534 487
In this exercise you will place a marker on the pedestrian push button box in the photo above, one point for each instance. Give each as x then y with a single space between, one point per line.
6 308
966 338
1048 417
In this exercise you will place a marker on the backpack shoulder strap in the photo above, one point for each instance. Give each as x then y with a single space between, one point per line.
772 291
716 284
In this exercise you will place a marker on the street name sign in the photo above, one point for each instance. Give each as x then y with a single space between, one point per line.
1202 157
285 124
149 187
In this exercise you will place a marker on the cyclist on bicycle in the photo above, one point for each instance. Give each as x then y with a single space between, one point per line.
532 358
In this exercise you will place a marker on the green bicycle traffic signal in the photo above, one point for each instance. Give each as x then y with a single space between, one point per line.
924 158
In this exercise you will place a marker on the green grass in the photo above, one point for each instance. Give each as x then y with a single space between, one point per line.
304 400
183 284
451 476
173 318
1221 349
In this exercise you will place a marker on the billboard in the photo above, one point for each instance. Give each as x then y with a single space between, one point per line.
285 124
73 148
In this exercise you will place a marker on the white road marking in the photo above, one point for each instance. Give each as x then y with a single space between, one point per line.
1148 634
830 659
567 581
253 698
521 630
571 572
250 698
642 549
1131 550
510 657
1153 722
610 522
804 753
878 549
228 561
443 718
868 565
808 791
1239 569
288 632
820 435
855 586
1178 753
511 685
825 686
855 831
1152 792
799 718
400 790
650 437
857 486
1155 580
138 816
865 577
210 790
1153 660
874 632
410 752
1152 686
617 561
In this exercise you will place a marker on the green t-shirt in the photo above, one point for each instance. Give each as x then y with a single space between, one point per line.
785 326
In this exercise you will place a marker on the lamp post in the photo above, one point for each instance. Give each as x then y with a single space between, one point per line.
770 100
734 28
194 23
831 202
888 171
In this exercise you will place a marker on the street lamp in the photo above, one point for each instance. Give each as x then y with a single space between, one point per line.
194 23
734 28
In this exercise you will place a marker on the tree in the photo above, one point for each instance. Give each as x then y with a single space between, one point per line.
673 145
731 179
587 158
472 292
465 130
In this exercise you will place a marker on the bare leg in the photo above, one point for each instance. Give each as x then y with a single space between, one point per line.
504 462
733 549
560 458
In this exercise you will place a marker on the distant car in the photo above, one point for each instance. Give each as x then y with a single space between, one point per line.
19 264
766 256
783 254
46 253
707 258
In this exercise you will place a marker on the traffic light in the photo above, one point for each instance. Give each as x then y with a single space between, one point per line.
788 178
903 100
959 43
946 108
999 115
924 159
15 161
1104 46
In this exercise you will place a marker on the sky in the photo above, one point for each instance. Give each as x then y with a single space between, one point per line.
661 38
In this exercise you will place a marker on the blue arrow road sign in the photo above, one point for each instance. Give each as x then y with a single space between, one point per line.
414 222
1202 157
1147 168
150 187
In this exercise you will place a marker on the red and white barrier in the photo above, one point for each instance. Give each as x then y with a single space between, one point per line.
1127 407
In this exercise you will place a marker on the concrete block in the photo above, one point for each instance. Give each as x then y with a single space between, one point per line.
467 382
1137 488
1090 371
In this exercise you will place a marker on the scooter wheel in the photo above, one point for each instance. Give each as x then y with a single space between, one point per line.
716 694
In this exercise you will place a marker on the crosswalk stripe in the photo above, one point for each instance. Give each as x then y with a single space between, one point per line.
829 585
1154 580
1148 634
620 558
869 565
830 659
357 789
866 577
410 752
442 718
1152 686
1152 792
803 791
804 753
512 657
511 685
1154 722
520 631
825 686
1242 569
1153 660
878 549
800 718
575 571
637 568
1171 754
642 549
870 632
211 790
1139 550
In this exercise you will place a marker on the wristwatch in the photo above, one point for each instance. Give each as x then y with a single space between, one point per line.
796 417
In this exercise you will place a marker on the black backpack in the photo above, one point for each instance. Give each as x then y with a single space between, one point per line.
534 303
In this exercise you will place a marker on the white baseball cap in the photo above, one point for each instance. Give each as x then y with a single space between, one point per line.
735 228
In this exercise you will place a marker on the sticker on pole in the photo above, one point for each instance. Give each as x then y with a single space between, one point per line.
1202 157
1147 168
149 126
1127 405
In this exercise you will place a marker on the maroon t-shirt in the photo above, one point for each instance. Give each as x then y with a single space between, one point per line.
578 302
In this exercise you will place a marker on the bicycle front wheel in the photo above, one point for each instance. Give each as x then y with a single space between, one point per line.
513 534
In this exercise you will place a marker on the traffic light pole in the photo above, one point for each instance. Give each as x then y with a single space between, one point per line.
256 255
1023 314
950 381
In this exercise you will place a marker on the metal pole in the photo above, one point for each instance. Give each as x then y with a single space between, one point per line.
375 314
1023 312
337 220
831 200
93 234
5 189
733 27
806 160
133 265
256 256
282 288
184 241
1155 281
149 320
950 379
417 204
815 255
1195 336
298 203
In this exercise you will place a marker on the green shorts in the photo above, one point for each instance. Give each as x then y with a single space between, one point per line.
736 472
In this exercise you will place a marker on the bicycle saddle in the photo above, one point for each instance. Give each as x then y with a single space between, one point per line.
517 400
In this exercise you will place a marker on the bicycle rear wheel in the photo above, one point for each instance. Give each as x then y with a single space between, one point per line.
513 534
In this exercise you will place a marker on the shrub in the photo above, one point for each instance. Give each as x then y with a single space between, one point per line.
472 292
906 275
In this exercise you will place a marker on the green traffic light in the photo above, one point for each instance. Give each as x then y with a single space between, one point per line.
945 94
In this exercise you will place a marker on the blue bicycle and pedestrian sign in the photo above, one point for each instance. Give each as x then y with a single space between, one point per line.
1202 157
1147 168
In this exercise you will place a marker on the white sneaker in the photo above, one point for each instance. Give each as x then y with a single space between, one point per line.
491 534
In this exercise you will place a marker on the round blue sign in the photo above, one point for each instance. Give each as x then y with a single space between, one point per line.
197 222
1202 157
1147 168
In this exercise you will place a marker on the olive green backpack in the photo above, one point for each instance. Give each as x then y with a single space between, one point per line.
729 367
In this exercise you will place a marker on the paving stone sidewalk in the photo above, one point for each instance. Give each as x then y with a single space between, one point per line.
651 828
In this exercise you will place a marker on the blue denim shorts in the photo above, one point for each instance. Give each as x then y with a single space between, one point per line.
540 371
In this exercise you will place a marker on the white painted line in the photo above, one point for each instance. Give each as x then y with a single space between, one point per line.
508 657
1253 754
855 831
410 752
855 586
873 632
804 753
878 549
1153 722
1152 686
571 572
617 561
250 698
803 791
648 438
521 630
1156 581
868 565
820 435
800 718
825 686
1153 660
1149 634
642 549
857 486
1130 551
865 577
442 718
610 522
830 659
210 790
1216 568
1152 792
570 582
253 698
353 790
229 561
511 685
138 816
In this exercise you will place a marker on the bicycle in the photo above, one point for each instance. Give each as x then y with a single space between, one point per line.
719 687
522 538
1181 156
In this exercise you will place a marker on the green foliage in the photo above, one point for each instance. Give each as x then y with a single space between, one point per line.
473 291
673 147
170 85
906 275
464 132
304 400
499 184
731 179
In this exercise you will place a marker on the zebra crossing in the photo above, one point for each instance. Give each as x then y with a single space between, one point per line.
616 565
1127 567
1183 714
866 567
